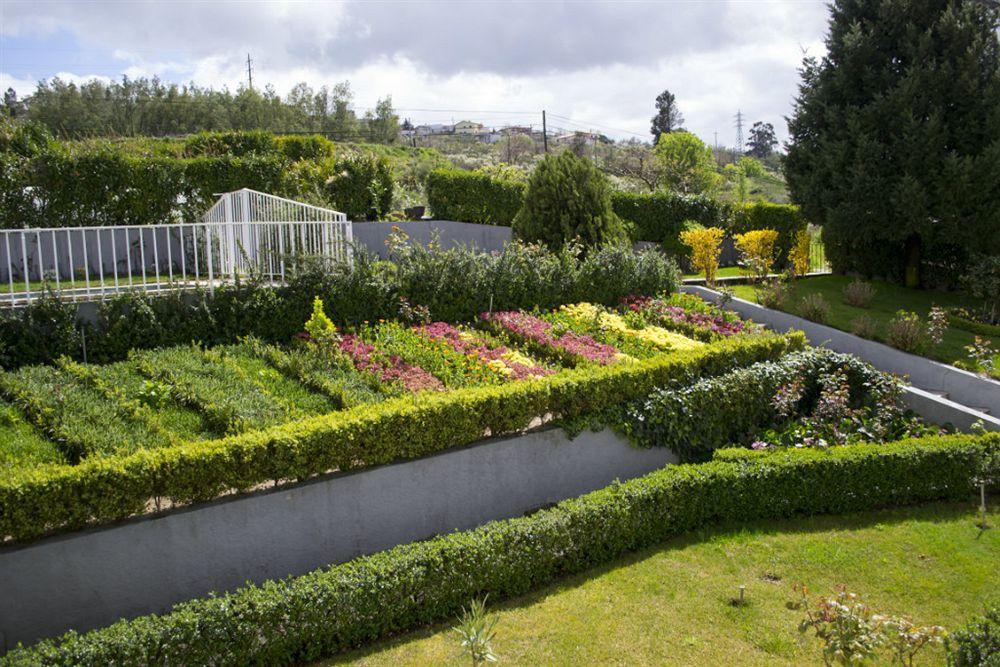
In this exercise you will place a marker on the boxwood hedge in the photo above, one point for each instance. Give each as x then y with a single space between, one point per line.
59 497
301 619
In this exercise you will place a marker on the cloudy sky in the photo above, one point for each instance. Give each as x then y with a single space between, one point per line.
591 65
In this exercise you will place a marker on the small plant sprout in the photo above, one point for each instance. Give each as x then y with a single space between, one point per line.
906 639
476 631
850 631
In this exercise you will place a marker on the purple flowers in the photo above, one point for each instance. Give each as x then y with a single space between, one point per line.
518 367
390 369
569 346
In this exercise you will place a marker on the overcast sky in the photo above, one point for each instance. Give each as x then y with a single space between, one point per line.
598 64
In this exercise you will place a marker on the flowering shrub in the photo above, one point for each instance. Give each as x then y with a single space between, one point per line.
705 250
757 249
641 340
799 254
906 332
508 362
567 346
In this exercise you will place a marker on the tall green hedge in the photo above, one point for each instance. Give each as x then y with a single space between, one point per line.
302 619
62 497
469 196
659 217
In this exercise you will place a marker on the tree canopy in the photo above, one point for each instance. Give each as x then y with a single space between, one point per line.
686 163
668 117
895 137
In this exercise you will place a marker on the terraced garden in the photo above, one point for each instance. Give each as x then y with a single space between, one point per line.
72 412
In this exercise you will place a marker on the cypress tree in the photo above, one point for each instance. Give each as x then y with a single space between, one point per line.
895 137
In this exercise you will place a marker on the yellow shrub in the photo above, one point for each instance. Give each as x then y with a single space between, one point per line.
757 249
800 253
705 250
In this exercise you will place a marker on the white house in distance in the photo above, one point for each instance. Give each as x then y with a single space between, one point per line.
468 127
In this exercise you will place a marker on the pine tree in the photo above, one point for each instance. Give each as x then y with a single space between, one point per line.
895 137
668 117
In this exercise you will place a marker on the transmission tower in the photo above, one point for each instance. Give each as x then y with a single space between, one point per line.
739 132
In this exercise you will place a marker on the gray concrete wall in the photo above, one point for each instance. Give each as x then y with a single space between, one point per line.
961 387
92 578
487 238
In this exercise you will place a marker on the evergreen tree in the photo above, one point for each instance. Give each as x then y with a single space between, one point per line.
762 140
895 137
567 198
668 117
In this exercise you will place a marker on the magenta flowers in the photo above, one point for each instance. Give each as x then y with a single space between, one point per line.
512 363
387 368
566 345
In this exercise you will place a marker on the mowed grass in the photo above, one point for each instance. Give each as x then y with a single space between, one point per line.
672 605
21 443
888 300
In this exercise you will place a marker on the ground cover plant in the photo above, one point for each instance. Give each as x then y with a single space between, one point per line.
333 609
882 307
926 563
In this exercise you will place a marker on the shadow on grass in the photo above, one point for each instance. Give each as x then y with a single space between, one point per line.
929 513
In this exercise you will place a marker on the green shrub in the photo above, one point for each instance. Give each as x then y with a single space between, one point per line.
39 333
814 307
660 217
236 143
783 218
302 619
64 497
859 293
473 196
361 187
567 199
696 419
610 272
978 643
297 147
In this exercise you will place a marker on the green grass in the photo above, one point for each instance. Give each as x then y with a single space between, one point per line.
724 272
671 605
21 444
888 299
296 396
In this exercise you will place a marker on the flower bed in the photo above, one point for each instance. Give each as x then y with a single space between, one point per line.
509 362
387 368
688 314
634 338
542 337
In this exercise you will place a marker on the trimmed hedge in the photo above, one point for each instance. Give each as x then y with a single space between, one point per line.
34 501
302 619
659 217
978 643
470 196
972 326
783 218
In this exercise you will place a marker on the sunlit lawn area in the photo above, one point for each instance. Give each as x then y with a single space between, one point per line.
888 300
671 605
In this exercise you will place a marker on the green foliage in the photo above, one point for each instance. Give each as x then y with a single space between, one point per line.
686 163
661 216
476 631
473 196
38 333
978 643
21 444
782 218
236 143
902 179
99 490
983 282
298 147
567 199
361 187
333 609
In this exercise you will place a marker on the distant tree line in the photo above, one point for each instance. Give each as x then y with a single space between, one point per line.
149 107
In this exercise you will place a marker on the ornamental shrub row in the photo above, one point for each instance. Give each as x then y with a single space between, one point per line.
782 218
46 498
299 620
455 285
470 196
659 217
696 419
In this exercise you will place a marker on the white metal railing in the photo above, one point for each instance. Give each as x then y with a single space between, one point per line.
244 232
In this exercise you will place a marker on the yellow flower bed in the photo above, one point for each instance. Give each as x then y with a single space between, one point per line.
588 312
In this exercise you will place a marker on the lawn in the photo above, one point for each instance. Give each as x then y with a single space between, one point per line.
888 300
671 605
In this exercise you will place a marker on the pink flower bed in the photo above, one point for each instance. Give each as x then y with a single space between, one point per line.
677 315
390 369
479 349
568 344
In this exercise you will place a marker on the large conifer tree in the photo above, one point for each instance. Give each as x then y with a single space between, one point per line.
895 137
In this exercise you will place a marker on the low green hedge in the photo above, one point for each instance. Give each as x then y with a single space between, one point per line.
972 326
470 196
978 643
34 501
302 619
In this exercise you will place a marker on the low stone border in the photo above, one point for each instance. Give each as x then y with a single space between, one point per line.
958 388
92 578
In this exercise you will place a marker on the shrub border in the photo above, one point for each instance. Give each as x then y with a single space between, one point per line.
60 497
327 611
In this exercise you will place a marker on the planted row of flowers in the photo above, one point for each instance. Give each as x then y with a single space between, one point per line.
688 315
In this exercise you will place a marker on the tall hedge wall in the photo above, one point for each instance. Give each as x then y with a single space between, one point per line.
300 620
660 216
783 218
469 196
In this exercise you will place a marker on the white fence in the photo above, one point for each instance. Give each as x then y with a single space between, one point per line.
244 231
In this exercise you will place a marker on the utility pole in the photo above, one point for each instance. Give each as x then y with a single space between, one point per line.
545 133
739 134
249 71
508 148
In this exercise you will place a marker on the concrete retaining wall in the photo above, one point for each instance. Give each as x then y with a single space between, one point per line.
92 578
487 238
961 387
